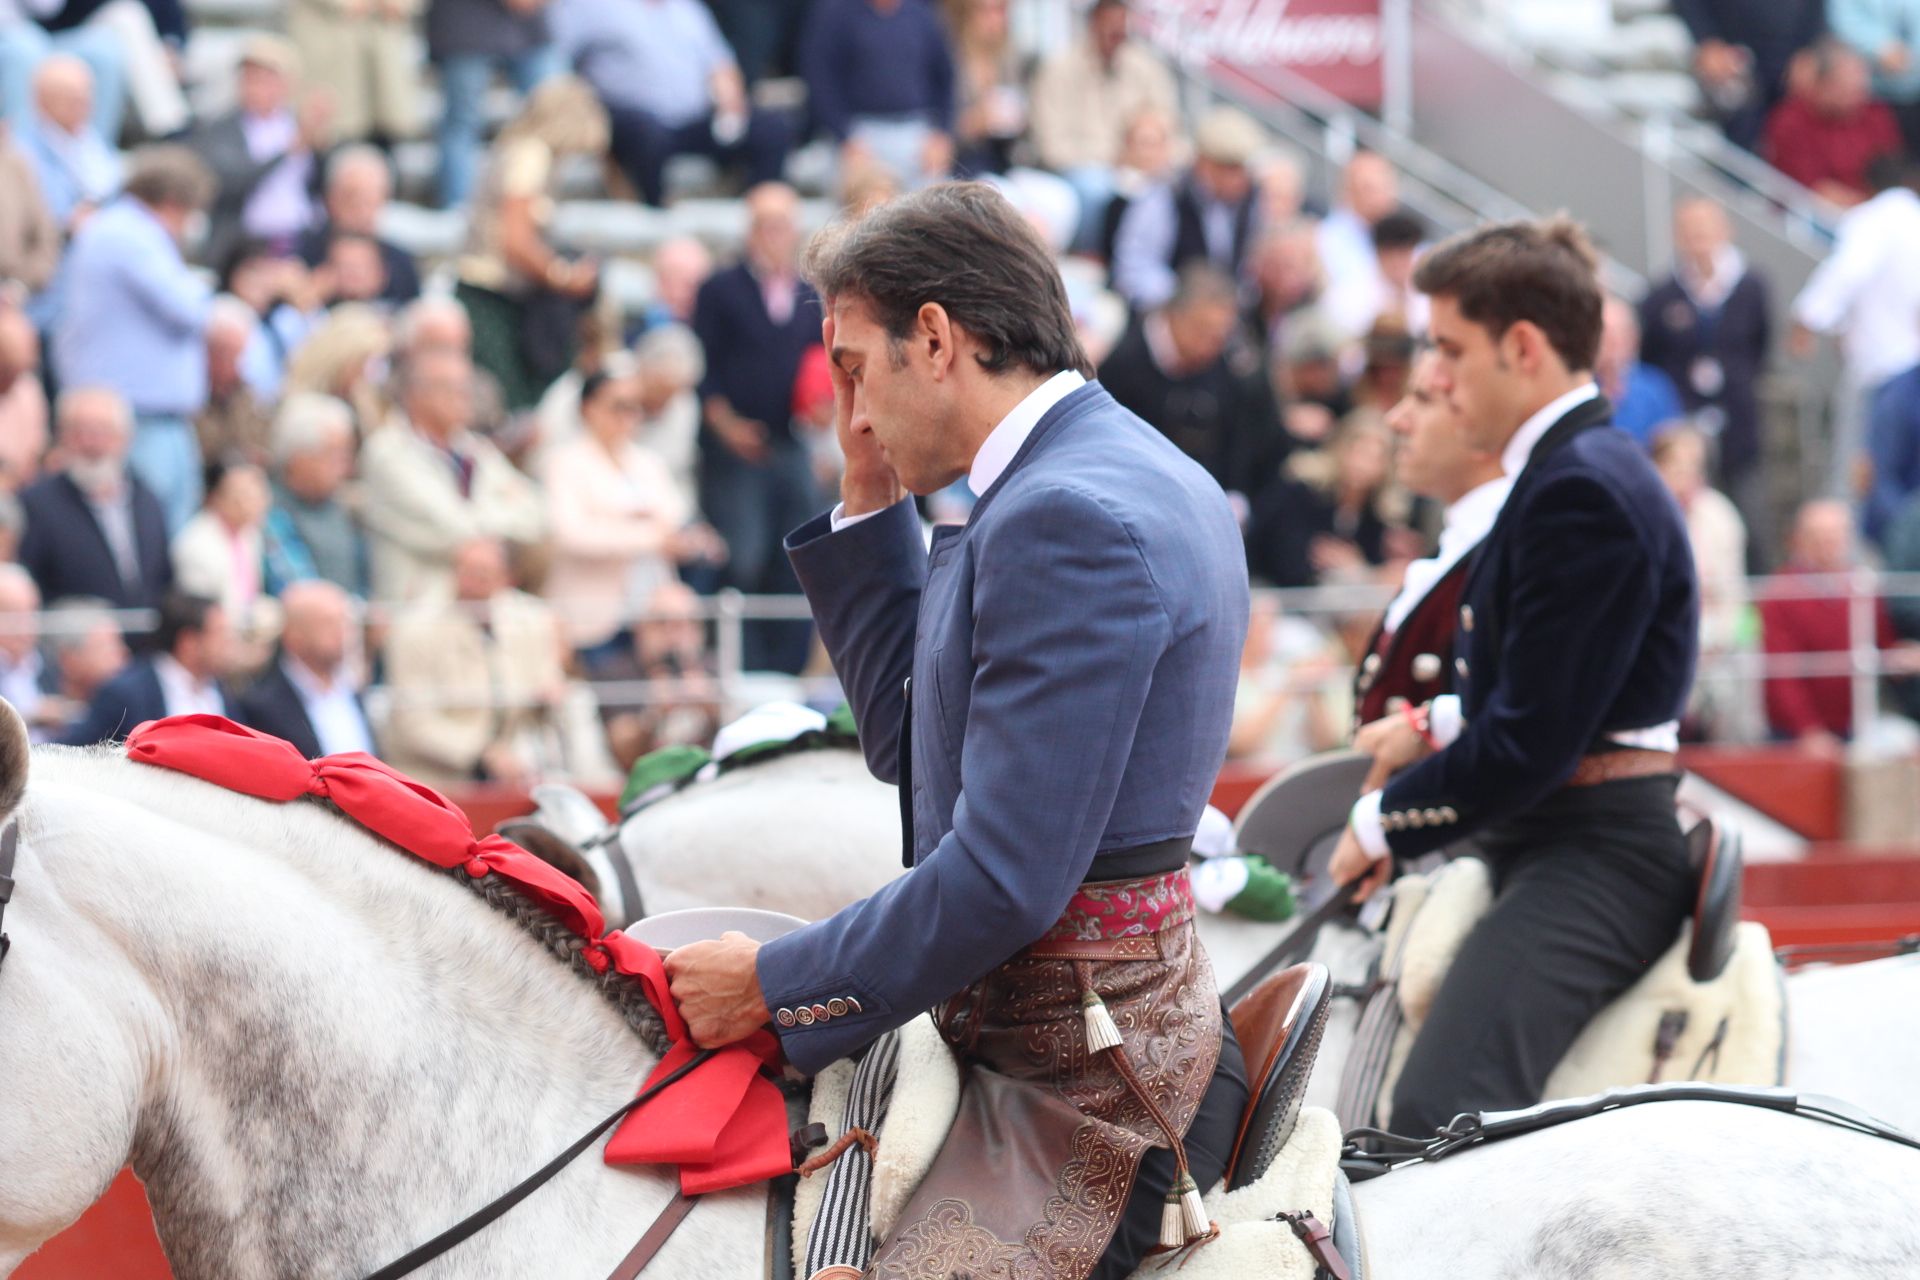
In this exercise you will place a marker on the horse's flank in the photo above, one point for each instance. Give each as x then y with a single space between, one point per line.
317 1052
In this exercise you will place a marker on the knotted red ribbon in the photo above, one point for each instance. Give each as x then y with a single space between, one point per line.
724 1124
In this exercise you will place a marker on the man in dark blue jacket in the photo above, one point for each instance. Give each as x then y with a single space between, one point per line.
184 675
1574 654
1068 658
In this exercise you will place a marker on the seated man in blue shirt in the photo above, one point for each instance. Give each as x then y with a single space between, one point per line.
671 86
880 83
1644 398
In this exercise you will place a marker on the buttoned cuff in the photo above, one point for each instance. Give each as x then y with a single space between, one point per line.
839 518
1445 720
1367 828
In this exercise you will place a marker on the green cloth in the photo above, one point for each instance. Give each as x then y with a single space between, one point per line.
1269 893
657 768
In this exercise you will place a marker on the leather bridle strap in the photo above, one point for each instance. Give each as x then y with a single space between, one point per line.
9 844
1295 946
650 1244
485 1216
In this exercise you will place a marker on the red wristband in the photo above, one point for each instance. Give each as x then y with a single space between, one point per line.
1417 720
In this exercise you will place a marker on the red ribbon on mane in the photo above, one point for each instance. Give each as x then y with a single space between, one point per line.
724 1125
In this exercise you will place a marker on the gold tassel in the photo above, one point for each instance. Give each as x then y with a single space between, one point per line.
1173 1228
1102 1034
1194 1209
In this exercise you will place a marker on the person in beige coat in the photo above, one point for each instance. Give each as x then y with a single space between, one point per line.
431 483
363 52
475 678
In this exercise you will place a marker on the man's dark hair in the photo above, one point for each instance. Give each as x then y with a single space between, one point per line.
1101 6
1202 284
170 174
180 613
1542 272
1400 229
959 244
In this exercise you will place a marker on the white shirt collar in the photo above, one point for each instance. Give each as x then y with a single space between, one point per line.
1468 521
1513 458
183 694
997 451
308 682
1729 267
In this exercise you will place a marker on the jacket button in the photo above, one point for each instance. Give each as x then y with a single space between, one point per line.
804 1016
1433 817
1416 819
836 1006
785 1017
1426 667
1372 664
820 1013
1466 617
853 1005
1460 667
1447 812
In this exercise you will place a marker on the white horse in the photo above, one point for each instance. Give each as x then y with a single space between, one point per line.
808 834
318 1052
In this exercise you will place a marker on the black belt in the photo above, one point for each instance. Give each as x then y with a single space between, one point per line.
1142 860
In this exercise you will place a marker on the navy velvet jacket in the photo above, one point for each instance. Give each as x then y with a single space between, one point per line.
1074 649
1579 618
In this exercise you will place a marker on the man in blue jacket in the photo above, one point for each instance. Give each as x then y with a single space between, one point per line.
1573 655
1050 685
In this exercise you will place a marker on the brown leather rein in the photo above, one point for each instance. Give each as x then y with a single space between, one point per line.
9 846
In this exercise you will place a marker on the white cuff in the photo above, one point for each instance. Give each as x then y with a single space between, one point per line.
839 519
1367 828
1444 721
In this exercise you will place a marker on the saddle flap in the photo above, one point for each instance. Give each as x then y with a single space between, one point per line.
1716 855
1278 1025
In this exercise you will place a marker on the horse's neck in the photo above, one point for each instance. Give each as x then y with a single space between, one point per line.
343 1052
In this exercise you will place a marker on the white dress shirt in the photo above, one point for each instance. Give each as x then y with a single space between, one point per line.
332 710
1445 720
1868 289
1467 521
20 682
998 449
185 695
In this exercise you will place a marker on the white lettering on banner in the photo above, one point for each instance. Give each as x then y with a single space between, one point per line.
1256 33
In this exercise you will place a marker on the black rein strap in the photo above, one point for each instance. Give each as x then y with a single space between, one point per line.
473 1223
9 845
1295 946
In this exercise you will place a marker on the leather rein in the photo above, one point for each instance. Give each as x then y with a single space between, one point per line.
9 847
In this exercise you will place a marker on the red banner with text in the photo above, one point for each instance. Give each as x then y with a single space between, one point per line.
1335 45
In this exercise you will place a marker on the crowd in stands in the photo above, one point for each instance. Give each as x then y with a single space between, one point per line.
263 454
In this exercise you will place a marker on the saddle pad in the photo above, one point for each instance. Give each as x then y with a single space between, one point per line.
1457 896
1251 1243
926 1097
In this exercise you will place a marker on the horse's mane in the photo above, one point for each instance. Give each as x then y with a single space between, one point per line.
230 815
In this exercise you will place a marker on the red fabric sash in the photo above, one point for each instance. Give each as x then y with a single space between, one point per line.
724 1125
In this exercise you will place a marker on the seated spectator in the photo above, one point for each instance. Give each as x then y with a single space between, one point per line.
619 526
93 528
219 554
1085 100
523 297
1148 160
1397 239
1388 354
756 321
1209 215
310 694
23 401
680 266
310 532
467 40
346 358
1829 128
1644 399
1815 711
26 46
671 366
1287 280
1893 452
670 86
86 649
27 680
359 185
1369 193
1884 32
670 653
354 271
75 166
184 673
880 83
1186 369
991 110
1719 540
1311 377
364 54
234 422
432 483
30 238
135 316
1317 523
475 669
1742 51
1706 327
145 39
264 154
1291 676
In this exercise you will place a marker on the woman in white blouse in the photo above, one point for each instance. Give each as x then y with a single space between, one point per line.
619 525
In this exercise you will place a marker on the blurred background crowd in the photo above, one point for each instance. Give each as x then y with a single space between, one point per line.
428 376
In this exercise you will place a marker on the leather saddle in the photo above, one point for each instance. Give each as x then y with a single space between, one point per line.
1279 1025
1719 862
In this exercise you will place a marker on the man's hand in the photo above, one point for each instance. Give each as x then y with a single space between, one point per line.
1351 863
745 438
1393 744
717 988
868 483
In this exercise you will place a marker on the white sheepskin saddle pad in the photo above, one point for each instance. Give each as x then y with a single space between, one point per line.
926 1098
1744 1008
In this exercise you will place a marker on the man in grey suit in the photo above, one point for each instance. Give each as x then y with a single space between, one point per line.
1050 685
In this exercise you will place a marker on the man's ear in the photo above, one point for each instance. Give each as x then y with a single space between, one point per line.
1526 346
934 332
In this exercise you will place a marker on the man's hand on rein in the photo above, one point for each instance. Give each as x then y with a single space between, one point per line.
717 988
1394 744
